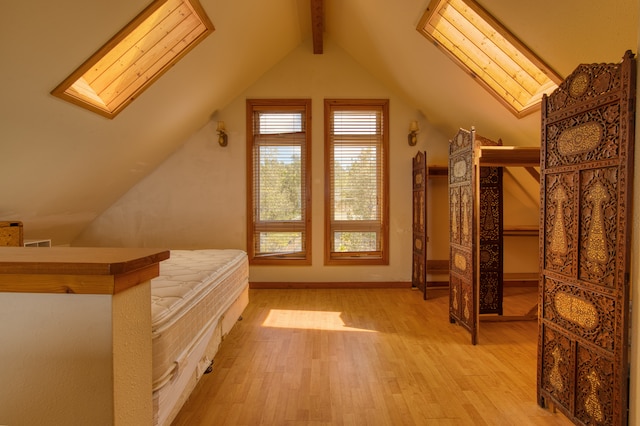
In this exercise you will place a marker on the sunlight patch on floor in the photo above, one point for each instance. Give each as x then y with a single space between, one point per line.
308 320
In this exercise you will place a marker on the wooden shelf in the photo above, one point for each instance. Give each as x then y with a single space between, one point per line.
509 156
521 231
438 266
438 171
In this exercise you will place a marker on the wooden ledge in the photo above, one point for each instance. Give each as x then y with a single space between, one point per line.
78 270
437 171
521 231
505 156
440 266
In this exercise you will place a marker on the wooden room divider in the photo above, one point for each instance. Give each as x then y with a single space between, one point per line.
419 269
475 243
586 197
476 265
422 267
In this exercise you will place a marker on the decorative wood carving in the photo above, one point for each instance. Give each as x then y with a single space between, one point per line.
586 175
474 288
419 269
461 261
491 241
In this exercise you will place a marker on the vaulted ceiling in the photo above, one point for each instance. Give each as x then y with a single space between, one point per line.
61 166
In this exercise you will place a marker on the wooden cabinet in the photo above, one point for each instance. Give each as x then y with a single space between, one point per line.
11 233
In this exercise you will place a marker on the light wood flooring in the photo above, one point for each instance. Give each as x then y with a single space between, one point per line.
370 357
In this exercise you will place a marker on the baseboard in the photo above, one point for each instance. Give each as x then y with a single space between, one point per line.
320 285
368 284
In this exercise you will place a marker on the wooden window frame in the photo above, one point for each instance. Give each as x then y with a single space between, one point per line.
255 258
378 257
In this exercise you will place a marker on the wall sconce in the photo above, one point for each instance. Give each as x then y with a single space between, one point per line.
222 134
413 133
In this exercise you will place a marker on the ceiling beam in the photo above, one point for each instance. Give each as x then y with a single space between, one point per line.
317 25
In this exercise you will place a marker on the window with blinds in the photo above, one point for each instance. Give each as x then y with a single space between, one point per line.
279 181
357 207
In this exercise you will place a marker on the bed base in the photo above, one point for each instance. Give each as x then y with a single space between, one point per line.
169 399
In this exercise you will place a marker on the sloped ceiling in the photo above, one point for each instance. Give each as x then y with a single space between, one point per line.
60 166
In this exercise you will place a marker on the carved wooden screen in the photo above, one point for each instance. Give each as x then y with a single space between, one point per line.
462 283
586 176
491 239
419 270
476 249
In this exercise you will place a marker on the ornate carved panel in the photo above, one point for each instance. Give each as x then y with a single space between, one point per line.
599 214
465 221
590 136
462 306
558 366
595 387
462 262
491 241
454 299
586 171
585 313
589 84
419 269
560 222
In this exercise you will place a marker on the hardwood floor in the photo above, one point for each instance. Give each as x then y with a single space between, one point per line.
370 357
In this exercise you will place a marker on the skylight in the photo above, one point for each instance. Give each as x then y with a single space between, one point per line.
135 57
484 48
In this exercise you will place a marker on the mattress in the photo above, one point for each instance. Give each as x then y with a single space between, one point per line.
194 289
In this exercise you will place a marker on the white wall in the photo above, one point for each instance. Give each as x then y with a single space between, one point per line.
521 200
197 198
56 354
76 359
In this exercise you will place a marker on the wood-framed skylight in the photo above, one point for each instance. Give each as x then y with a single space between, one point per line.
488 51
136 56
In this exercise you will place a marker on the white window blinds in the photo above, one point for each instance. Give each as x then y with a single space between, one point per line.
356 151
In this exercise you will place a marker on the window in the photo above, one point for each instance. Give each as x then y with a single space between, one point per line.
279 176
357 182
135 57
485 49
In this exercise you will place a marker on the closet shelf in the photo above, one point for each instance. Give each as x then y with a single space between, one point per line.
520 231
